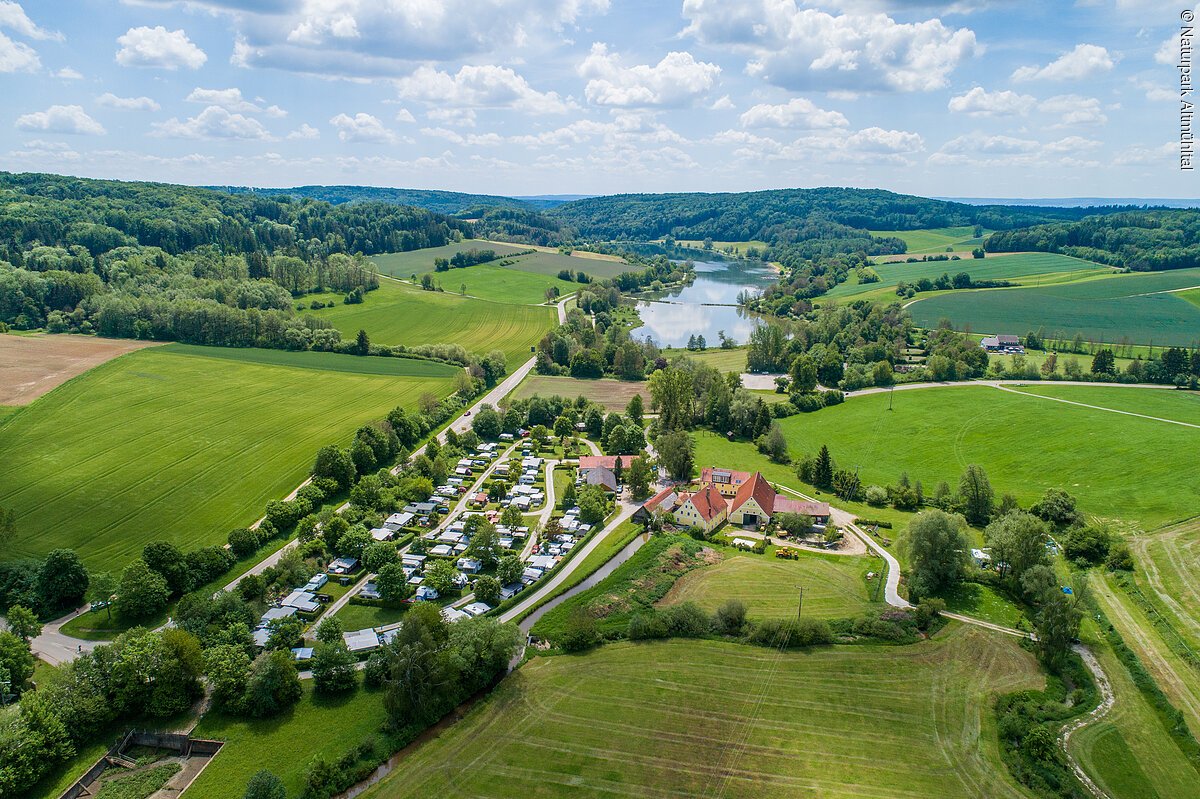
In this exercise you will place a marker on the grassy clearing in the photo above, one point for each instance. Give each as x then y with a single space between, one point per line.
834 585
1113 463
1129 753
544 262
159 444
731 360
711 718
1191 295
612 394
1133 306
285 744
506 284
984 602
396 313
932 240
414 262
360 617
323 361
1027 268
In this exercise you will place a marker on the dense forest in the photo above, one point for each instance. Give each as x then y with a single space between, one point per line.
177 263
442 202
777 215
1139 240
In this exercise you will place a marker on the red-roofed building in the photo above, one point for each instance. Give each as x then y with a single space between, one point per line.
666 501
726 481
705 509
756 502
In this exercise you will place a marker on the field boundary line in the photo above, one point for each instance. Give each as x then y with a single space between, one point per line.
1096 407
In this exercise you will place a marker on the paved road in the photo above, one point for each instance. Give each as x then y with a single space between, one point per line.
1001 384
57 648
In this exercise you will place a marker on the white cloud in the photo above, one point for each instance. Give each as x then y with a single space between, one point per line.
485 86
457 117
361 128
17 56
868 146
678 78
232 100
375 38
470 140
987 150
798 112
722 103
14 18
1085 61
213 122
67 73
625 131
305 132
406 116
1139 155
110 100
61 119
1155 91
1168 53
981 103
807 49
1072 109
158 47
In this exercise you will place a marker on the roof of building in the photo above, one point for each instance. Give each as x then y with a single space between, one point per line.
602 476
477 609
667 499
361 640
607 461
758 489
708 502
708 473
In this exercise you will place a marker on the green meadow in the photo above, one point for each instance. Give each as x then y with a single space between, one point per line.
1117 465
933 240
506 284
173 443
404 264
1142 307
417 262
707 718
834 585
1031 268
397 313
285 744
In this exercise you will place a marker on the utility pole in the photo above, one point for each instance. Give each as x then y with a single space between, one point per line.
891 391
800 606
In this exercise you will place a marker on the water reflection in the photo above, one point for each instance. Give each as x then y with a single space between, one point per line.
705 307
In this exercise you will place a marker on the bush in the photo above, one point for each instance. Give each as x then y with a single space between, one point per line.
580 632
807 403
832 397
791 633
730 618
649 624
243 541
1119 557
876 496
687 620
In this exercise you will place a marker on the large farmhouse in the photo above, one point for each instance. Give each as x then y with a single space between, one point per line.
753 503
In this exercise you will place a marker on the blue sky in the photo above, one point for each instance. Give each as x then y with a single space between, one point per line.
998 98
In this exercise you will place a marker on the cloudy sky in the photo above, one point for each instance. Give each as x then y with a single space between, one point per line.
997 98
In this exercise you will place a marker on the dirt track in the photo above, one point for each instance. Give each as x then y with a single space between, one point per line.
31 366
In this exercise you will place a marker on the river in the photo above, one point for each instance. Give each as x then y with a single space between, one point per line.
705 307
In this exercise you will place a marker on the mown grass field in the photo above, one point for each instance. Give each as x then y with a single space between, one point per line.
400 314
1133 306
931 240
1027 268
1117 465
1129 753
542 262
167 443
506 284
1167 574
414 262
285 744
612 394
731 360
834 585
1192 296
1181 406
705 718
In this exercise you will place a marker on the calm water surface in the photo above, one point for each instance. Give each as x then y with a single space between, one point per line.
705 307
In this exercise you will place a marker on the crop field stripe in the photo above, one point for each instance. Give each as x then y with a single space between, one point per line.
120 457
679 719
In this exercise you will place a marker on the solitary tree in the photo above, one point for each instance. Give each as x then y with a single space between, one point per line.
639 478
937 552
975 494
265 785
675 454
823 469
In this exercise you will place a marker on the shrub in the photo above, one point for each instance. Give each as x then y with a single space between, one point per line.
243 541
730 618
876 495
791 633
580 632
687 620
